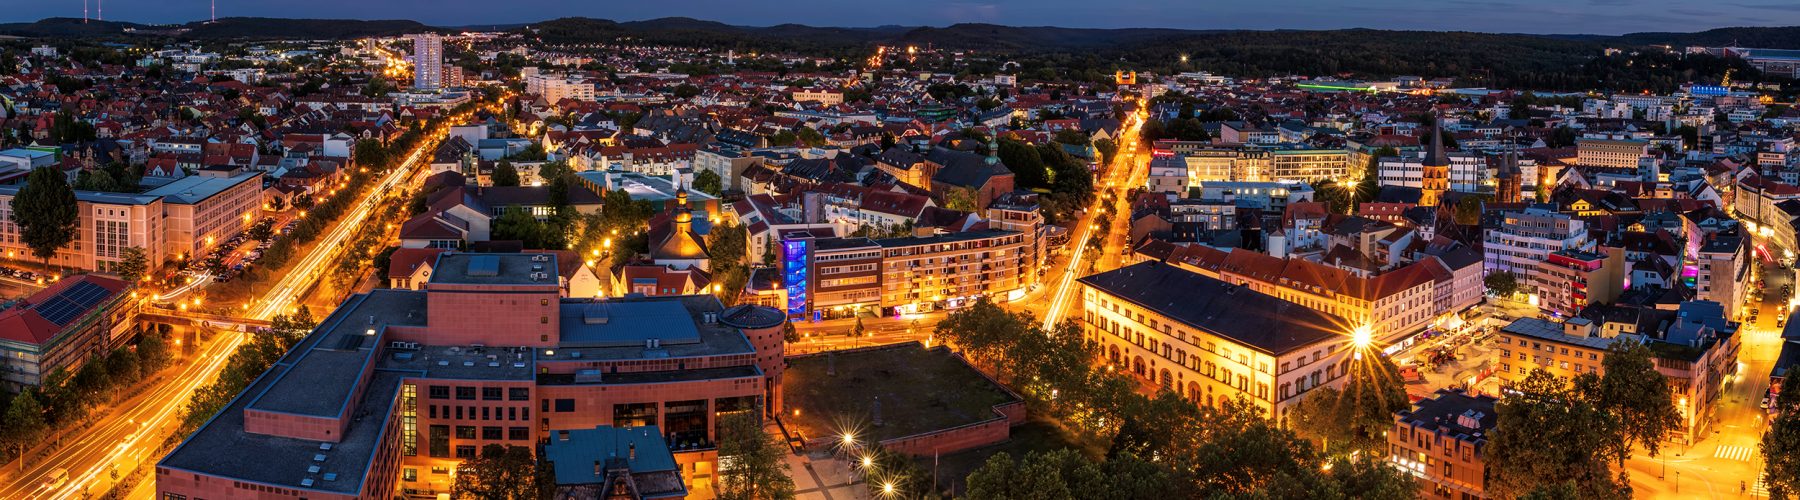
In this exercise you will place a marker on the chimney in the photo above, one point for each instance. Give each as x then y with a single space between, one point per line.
631 452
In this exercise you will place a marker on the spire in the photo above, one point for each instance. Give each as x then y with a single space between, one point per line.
1435 156
993 151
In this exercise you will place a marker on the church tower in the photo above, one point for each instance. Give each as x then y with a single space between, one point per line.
1435 171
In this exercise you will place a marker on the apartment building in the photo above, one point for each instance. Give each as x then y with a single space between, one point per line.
1210 340
396 388
1723 272
1564 349
1527 237
556 87
946 271
1442 441
1307 165
833 277
428 61
1567 281
63 326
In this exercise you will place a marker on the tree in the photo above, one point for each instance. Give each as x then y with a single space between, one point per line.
708 182
24 421
1636 395
686 90
518 224
1548 433
1502 283
153 353
960 199
1781 445
1026 165
1065 473
45 210
498 473
858 330
132 264
505 175
757 470
1357 417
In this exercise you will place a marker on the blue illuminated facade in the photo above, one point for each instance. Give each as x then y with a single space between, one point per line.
793 273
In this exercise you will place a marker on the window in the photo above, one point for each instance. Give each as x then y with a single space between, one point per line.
466 451
439 441
518 394
565 405
439 392
465 432
518 433
409 474
490 394
465 393
491 433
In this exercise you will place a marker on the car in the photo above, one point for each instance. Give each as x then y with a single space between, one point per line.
56 478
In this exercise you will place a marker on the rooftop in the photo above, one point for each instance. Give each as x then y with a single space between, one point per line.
1446 410
1235 312
494 269
617 328
1552 331
197 188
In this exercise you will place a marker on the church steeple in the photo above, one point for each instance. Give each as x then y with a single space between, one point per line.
993 157
1435 155
684 217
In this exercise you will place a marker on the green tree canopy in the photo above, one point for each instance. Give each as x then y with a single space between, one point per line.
498 473
46 212
758 470
504 174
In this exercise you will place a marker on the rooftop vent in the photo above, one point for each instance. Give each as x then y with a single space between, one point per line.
1470 419
542 257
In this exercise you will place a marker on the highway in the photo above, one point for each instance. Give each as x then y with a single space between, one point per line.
1126 162
129 435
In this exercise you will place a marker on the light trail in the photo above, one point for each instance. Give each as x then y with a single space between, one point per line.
124 435
1126 162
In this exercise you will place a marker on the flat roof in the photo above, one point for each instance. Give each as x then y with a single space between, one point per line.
603 323
460 268
318 376
943 238
642 448
1552 331
679 321
197 188
1235 312
222 448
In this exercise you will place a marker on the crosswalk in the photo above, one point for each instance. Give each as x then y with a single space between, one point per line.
1759 490
1739 453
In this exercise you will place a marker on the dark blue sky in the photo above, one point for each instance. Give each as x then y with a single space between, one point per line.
1515 16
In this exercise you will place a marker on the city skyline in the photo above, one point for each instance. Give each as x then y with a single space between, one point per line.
1600 17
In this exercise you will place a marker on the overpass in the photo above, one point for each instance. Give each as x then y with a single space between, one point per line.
200 319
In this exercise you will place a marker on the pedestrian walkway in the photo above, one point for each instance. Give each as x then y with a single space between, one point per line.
1759 490
1739 453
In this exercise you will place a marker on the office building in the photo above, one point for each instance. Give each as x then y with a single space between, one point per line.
183 218
1526 237
1722 272
830 277
393 390
627 463
1567 281
62 327
428 61
1210 340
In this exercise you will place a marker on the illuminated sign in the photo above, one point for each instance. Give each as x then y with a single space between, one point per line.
793 273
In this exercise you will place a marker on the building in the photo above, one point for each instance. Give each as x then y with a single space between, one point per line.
428 61
1210 340
1563 349
1434 170
628 463
1525 238
555 87
1270 196
1442 441
1723 272
200 211
1567 281
947 271
1168 174
1307 165
185 217
63 326
1611 153
833 277
1698 354
825 97
397 387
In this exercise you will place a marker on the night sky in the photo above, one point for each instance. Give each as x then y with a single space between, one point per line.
1509 16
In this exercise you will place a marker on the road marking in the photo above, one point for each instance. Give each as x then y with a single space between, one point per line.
1739 453
1759 489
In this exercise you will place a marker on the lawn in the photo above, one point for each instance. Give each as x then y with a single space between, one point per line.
919 390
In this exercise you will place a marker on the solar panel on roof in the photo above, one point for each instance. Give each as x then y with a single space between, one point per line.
71 303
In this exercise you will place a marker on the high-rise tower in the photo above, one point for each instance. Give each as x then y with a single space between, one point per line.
428 61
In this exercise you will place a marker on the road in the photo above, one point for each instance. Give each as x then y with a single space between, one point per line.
1714 466
1116 179
135 428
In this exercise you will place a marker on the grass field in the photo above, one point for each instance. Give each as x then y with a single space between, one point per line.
919 390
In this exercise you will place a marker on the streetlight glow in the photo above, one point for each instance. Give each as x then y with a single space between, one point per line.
1361 337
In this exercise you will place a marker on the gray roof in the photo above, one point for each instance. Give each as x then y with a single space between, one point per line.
1552 331
942 238
197 188
1260 321
494 269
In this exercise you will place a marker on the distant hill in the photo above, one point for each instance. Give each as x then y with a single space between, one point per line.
688 32
992 37
1762 38
273 28
65 27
